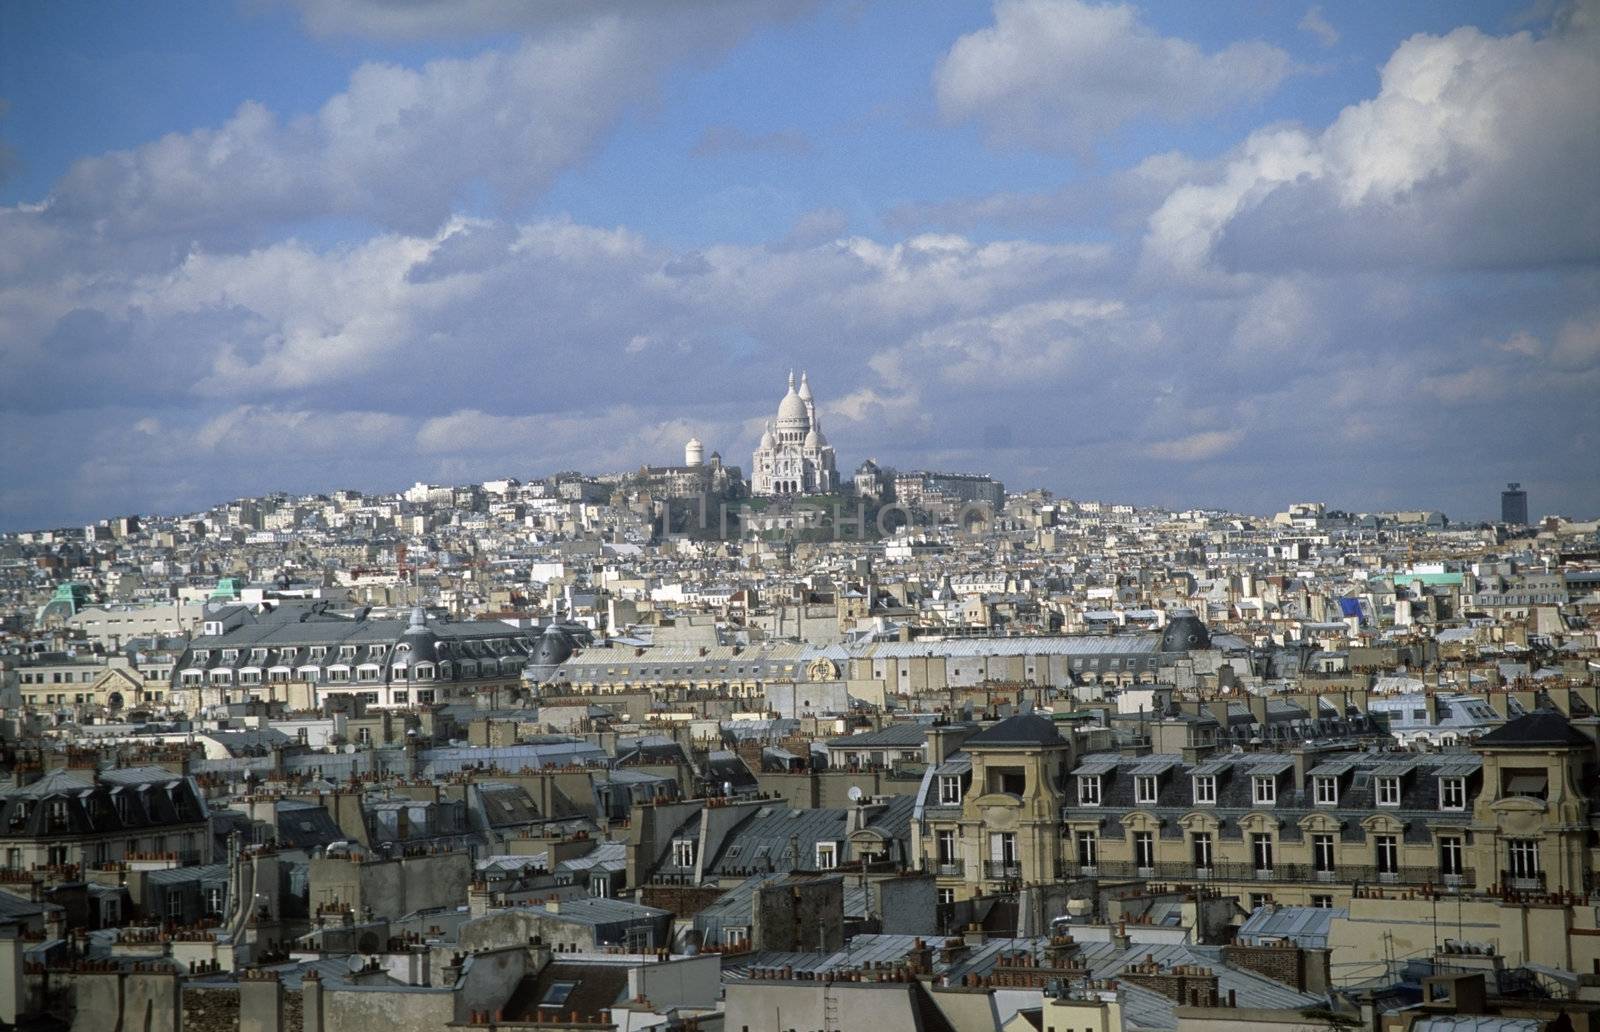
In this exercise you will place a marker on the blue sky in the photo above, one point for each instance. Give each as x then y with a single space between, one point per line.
1236 254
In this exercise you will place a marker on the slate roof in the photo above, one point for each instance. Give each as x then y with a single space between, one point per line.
1419 775
1104 960
1025 729
901 735
1541 729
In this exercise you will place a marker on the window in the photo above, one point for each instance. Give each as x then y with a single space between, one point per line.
827 856
364 735
1003 852
947 896
1327 790
1089 790
949 789
600 885
683 852
1452 793
1450 855
1322 902
1532 783
1261 851
1205 789
1388 790
946 841
1088 849
1144 788
1259 900
1524 857
1388 854
1264 789
1144 849
1202 850
175 905
1322 852
214 899
1011 780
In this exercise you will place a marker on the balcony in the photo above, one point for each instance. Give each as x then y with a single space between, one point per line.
950 868
1002 870
1523 881
1232 871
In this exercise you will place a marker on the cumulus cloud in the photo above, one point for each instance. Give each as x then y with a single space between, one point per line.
222 355
1476 152
1060 74
398 145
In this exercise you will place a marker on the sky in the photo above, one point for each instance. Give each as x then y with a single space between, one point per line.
1234 254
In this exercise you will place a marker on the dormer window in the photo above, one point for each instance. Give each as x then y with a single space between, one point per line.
1387 790
230 655
683 852
1089 790
1453 793
201 655
1144 788
1205 789
949 789
1326 788
827 856
1264 790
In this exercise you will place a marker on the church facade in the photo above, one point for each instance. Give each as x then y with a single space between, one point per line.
794 457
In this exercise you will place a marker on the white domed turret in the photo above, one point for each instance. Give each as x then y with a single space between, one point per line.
794 457
793 415
693 452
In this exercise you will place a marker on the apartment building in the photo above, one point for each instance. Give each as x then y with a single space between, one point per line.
1311 827
987 816
80 818
304 654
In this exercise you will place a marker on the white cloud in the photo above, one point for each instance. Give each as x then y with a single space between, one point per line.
399 144
1207 444
1059 74
1318 25
1478 151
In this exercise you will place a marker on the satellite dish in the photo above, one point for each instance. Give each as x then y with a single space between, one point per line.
855 793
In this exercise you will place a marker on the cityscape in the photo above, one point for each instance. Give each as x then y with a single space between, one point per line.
1032 516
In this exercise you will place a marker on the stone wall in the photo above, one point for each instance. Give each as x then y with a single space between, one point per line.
799 914
210 1008
1305 970
682 900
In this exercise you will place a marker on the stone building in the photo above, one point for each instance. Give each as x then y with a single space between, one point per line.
1314 826
794 458
304 654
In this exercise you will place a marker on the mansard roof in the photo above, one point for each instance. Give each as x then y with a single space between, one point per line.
1541 729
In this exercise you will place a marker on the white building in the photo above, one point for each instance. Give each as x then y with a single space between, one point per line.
794 457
